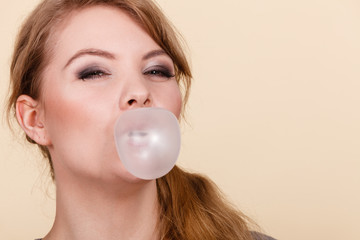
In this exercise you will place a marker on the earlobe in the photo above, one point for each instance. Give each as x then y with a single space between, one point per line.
28 116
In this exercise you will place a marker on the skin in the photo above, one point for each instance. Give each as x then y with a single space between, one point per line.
103 63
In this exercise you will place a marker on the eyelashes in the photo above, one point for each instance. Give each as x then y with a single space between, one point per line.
95 72
159 71
92 73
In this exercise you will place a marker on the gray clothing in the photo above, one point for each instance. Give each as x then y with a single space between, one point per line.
256 236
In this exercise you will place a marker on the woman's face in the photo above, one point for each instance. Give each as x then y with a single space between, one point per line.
102 64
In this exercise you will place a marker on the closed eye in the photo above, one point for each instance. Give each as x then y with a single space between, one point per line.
92 73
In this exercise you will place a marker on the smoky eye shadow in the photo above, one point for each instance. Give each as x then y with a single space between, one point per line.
88 71
161 68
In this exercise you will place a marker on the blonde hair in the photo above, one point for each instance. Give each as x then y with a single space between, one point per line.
191 206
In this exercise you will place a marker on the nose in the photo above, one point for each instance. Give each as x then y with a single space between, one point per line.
136 94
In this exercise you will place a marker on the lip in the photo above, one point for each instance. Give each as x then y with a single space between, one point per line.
138 138
137 133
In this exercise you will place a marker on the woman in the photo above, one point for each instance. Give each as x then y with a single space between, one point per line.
77 66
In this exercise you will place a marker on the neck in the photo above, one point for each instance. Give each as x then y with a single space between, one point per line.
94 211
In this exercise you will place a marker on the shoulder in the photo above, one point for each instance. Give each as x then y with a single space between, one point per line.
260 236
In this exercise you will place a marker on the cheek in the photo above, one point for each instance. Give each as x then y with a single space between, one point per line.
177 104
80 128
65 125
169 98
74 118
63 114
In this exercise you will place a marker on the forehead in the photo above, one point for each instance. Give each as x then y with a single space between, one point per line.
98 26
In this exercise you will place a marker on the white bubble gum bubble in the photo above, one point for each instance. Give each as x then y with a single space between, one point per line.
148 141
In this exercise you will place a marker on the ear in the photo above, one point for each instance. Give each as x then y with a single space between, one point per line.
29 117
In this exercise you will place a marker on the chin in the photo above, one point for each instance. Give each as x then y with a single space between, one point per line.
119 174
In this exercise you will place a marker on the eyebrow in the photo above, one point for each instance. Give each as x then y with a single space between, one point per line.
154 53
92 52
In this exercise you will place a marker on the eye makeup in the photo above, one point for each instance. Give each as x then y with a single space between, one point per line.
156 71
159 71
92 72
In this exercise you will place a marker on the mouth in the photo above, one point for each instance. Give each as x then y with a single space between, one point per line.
137 134
138 138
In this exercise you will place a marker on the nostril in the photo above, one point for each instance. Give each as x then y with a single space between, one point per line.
147 102
131 101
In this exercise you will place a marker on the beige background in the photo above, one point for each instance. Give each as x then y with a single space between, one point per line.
274 115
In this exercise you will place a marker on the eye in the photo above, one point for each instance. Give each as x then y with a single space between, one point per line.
159 71
92 73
